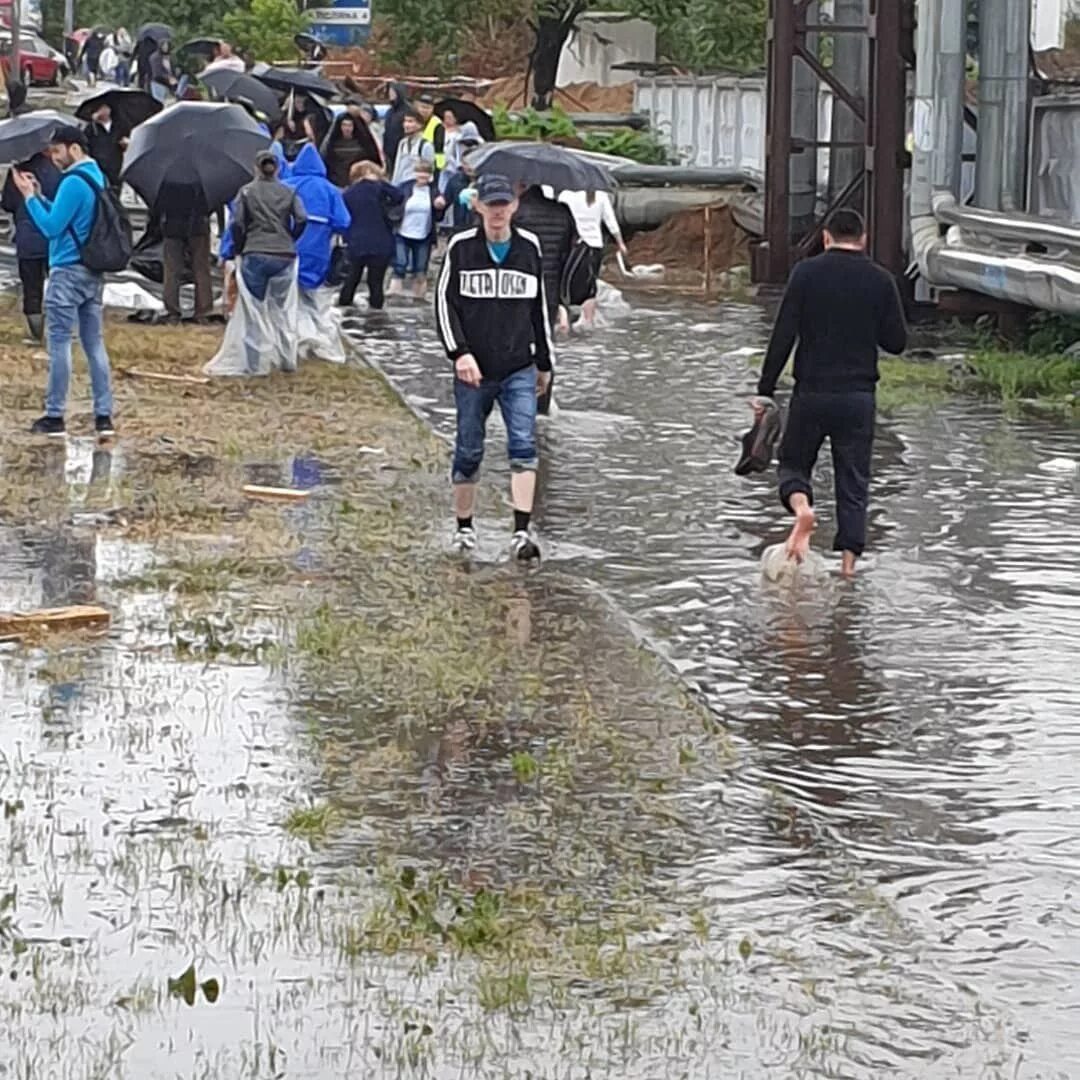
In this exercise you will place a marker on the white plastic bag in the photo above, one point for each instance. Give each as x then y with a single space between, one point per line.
319 326
261 335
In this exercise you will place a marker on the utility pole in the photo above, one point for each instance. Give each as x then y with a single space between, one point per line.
16 43
69 17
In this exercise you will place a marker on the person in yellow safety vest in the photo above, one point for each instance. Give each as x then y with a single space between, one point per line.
433 130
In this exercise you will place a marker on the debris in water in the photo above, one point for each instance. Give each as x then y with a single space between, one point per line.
161 376
275 494
778 568
78 617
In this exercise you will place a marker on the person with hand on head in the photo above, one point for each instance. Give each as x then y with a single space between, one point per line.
841 308
491 316
74 294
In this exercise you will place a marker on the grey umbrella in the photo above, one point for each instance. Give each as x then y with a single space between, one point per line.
156 32
210 144
290 79
542 164
22 137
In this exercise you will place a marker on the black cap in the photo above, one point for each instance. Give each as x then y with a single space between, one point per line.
69 135
493 190
426 99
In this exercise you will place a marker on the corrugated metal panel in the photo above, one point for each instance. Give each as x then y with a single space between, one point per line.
1054 179
710 122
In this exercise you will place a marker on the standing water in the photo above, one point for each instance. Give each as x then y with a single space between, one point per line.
907 812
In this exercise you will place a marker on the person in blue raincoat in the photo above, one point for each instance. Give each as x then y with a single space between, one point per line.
327 216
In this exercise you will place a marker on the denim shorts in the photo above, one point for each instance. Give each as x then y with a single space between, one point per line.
516 395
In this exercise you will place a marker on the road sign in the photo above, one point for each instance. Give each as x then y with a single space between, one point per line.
347 22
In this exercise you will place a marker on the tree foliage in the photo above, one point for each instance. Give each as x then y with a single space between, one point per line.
266 29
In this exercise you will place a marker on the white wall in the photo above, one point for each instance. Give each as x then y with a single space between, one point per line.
599 42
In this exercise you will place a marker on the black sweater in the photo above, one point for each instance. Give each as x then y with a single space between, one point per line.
842 307
496 312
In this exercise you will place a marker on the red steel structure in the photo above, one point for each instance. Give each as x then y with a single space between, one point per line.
880 107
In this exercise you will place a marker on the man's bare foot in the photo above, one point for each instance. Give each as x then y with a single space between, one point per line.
798 543
847 565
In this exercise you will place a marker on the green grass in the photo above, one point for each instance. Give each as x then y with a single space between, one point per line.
1017 376
311 823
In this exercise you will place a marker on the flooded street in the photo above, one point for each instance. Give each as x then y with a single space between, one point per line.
906 815
235 846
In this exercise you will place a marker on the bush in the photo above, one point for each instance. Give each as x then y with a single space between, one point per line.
558 126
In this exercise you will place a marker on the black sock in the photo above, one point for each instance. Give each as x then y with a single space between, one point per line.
464 523
521 520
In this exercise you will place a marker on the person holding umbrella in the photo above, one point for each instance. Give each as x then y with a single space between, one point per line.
74 294
394 122
162 78
31 247
107 144
492 319
185 225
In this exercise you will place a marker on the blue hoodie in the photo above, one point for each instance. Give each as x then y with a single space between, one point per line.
327 215
71 211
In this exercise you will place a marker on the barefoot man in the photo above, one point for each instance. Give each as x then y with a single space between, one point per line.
841 308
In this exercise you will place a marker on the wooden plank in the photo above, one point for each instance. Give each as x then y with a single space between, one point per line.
273 494
79 617
161 376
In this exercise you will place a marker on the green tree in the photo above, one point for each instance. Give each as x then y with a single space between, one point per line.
266 29
188 18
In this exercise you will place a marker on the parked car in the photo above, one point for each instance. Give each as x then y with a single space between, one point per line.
37 66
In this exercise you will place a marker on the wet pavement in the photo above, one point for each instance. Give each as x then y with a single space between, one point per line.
887 874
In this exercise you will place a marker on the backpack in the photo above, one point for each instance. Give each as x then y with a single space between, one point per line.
579 277
108 245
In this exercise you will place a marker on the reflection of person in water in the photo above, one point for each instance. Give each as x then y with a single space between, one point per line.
69 568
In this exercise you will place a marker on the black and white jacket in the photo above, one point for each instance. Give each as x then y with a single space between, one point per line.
497 313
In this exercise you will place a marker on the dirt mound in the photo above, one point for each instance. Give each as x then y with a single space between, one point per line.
680 243
576 98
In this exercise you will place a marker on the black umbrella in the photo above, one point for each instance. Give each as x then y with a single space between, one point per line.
24 136
467 111
542 164
130 107
236 86
309 45
292 79
212 144
155 32
207 47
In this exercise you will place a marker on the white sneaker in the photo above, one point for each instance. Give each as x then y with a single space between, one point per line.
524 548
465 540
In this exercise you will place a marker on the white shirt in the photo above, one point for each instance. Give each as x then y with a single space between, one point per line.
591 219
226 63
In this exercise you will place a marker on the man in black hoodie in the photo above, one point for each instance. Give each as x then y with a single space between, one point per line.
841 308
394 123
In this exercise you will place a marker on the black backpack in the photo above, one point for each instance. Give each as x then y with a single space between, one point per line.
109 244
579 277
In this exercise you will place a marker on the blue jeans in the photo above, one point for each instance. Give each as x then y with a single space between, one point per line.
123 73
411 256
516 395
73 298
259 269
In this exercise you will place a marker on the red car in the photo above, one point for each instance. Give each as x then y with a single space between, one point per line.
37 66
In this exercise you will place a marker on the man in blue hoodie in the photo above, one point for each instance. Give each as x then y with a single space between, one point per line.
74 294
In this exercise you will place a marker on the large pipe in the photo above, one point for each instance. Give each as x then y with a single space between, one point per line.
804 128
1013 228
849 66
1004 32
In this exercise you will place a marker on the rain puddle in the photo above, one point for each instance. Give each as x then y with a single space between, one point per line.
454 823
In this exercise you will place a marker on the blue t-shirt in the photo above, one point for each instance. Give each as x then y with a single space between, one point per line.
499 250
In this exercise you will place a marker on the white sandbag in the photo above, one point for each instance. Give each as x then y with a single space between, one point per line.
781 570
611 301
130 297
261 335
318 326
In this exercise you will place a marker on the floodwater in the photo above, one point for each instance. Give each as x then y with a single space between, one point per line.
889 870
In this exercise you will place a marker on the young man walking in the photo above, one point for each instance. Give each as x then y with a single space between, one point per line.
412 148
74 293
492 318
841 308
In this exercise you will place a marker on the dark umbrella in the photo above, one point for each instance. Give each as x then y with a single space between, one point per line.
234 86
207 47
212 144
541 164
308 44
155 32
291 79
130 107
24 136
466 111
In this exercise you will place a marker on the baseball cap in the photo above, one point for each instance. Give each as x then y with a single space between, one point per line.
426 99
492 190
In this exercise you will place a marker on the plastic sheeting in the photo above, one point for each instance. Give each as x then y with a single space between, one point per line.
262 335
318 326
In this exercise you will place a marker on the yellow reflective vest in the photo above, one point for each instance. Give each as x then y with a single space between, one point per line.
437 137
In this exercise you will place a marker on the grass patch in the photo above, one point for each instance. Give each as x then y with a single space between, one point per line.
311 823
1013 377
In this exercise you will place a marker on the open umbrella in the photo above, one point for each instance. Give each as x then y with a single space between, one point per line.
22 137
466 111
130 107
310 46
540 163
208 143
155 32
292 79
235 86
206 47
